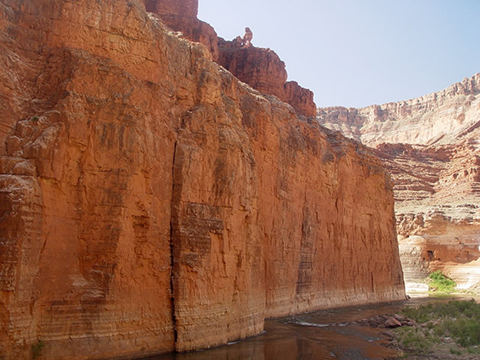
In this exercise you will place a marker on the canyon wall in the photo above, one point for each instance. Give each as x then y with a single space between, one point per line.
181 16
440 118
183 8
430 146
152 202
263 70
260 68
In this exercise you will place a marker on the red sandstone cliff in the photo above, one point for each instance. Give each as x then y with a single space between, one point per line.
260 68
181 16
263 70
185 8
430 146
151 202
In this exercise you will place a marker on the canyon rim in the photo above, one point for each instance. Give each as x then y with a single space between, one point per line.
430 146
151 202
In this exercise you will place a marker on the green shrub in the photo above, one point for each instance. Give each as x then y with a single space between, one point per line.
458 320
37 349
416 339
474 350
455 351
441 283
464 331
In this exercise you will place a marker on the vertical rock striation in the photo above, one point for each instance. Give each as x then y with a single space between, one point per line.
151 202
260 68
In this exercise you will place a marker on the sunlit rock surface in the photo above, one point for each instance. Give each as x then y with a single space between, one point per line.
265 71
430 146
152 202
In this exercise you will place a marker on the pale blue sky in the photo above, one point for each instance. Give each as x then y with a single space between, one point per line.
360 52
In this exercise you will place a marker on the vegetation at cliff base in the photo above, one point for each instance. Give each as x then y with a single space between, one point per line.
37 349
441 283
454 325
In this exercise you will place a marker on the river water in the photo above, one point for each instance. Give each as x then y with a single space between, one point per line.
326 334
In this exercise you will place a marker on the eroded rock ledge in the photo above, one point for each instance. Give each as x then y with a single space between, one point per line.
260 68
151 202
265 71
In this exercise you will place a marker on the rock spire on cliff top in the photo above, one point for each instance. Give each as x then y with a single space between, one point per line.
260 68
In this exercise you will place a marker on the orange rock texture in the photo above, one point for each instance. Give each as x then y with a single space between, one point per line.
260 68
263 70
151 202
300 98
182 16
183 8
430 146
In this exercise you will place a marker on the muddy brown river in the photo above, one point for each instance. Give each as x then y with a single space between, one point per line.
326 334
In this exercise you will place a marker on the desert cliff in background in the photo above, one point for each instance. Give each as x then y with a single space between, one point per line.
152 202
431 147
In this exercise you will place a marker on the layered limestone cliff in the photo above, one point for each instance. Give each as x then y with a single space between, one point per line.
152 202
440 118
430 146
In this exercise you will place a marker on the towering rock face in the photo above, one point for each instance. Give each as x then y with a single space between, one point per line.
182 16
151 202
430 146
300 98
186 8
263 70
260 68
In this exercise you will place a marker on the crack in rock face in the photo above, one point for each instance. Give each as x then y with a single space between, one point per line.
150 201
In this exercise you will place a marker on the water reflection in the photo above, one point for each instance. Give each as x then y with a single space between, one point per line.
327 334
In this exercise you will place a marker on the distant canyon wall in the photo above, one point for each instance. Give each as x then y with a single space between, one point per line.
152 202
434 119
430 146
